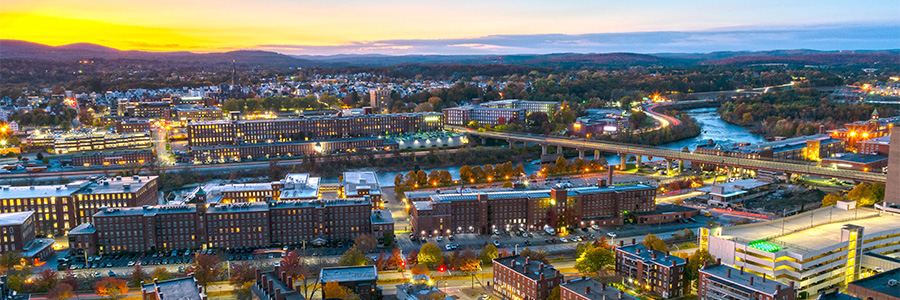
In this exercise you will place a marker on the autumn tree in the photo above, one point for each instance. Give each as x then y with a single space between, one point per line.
422 178
430 255
445 176
466 261
488 253
594 259
111 288
465 173
365 243
206 268
303 271
535 255
696 260
353 257
70 279
161 273
655 243
554 293
832 199
46 279
9 259
332 290
137 275
60 291
242 277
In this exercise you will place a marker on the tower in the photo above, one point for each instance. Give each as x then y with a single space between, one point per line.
892 193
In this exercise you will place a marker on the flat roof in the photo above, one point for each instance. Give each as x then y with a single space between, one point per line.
83 228
597 291
348 274
146 210
15 218
665 208
883 140
184 288
741 280
879 283
800 238
36 246
40 191
382 216
238 207
112 185
857 158
354 181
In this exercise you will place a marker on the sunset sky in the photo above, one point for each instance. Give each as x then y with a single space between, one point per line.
454 27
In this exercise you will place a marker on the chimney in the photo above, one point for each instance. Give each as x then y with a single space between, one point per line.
742 270
652 254
541 268
277 294
290 282
673 262
283 275
764 277
583 277
542 276
667 254
160 295
155 281
705 265
751 280
587 290
621 295
602 286
792 284
524 268
718 261
632 241
729 273
638 250
777 288
527 260
621 243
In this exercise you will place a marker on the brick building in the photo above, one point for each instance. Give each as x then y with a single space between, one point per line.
361 280
225 153
652 270
517 277
236 225
17 234
484 212
269 131
588 289
132 125
810 148
857 162
109 158
858 131
59 208
275 285
188 113
879 145
718 281
380 100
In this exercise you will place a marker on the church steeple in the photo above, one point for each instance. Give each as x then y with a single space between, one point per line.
875 114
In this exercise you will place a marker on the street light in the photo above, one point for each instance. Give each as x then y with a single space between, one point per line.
318 147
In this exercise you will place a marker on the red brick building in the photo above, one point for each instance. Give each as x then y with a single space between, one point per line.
16 230
296 130
286 149
132 125
484 212
517 277
109 158
718 281
361 280
588 289
879 145
185 288
652 270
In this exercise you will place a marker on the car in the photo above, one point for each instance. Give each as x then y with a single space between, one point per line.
440 238
448 247
496 243
111 273
130 263
271 255
97 275
527 242
595 227
611 234
564 240
450 237
181 269
422 239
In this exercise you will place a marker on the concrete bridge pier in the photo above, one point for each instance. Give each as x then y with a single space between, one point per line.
668 167
638 159
559 150
544 149
512 143
596 154
581 154
728 173
624 158
483 141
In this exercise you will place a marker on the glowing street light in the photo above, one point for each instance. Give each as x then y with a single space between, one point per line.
318 147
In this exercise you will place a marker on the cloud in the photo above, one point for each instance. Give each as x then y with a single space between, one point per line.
831 37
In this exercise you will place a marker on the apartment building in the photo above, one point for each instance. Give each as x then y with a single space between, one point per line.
723 282
361 280
132 125
517 277
59 208
209 133
588 289
275 285
17 234
108 158
652 270
227 153
380 100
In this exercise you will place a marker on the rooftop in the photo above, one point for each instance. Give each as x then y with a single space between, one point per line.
382 216
857 158
879 283
594 290
36 246
354 181
883 140
16 218
664 208
83 228
348 274
288 292
146 210
826 231
532 270
41 191
185 288
646 255
111 185
741 280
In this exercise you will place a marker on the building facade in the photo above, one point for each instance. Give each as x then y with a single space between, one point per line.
361 280
132 125
588 289
652 270
210 133
380 100
185 288
109 158
517 277
225 153
16 230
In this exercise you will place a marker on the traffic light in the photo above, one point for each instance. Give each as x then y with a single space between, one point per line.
403 264
442 268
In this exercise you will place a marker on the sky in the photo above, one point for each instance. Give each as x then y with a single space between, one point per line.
399 27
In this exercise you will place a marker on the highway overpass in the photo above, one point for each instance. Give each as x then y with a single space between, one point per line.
649 151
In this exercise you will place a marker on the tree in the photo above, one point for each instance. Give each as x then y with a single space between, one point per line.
467 261
47 279
137 275
695 262
422 178
398 180
535 255
388 238
554 293
332 290
10 259
488 253
507 184
430 255
445 176
365 243
161 273
465 173
297 268
832 199
352 258
207 269
111 287
655 243
60 291
434 176
561 164
242 277
70 279
594 259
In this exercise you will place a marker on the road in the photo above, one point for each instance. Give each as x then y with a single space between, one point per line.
791 167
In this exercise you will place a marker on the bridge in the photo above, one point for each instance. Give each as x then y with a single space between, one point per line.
582 145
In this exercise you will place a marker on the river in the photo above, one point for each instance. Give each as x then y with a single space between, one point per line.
712 128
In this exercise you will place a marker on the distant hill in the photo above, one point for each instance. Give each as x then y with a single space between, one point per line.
14 49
